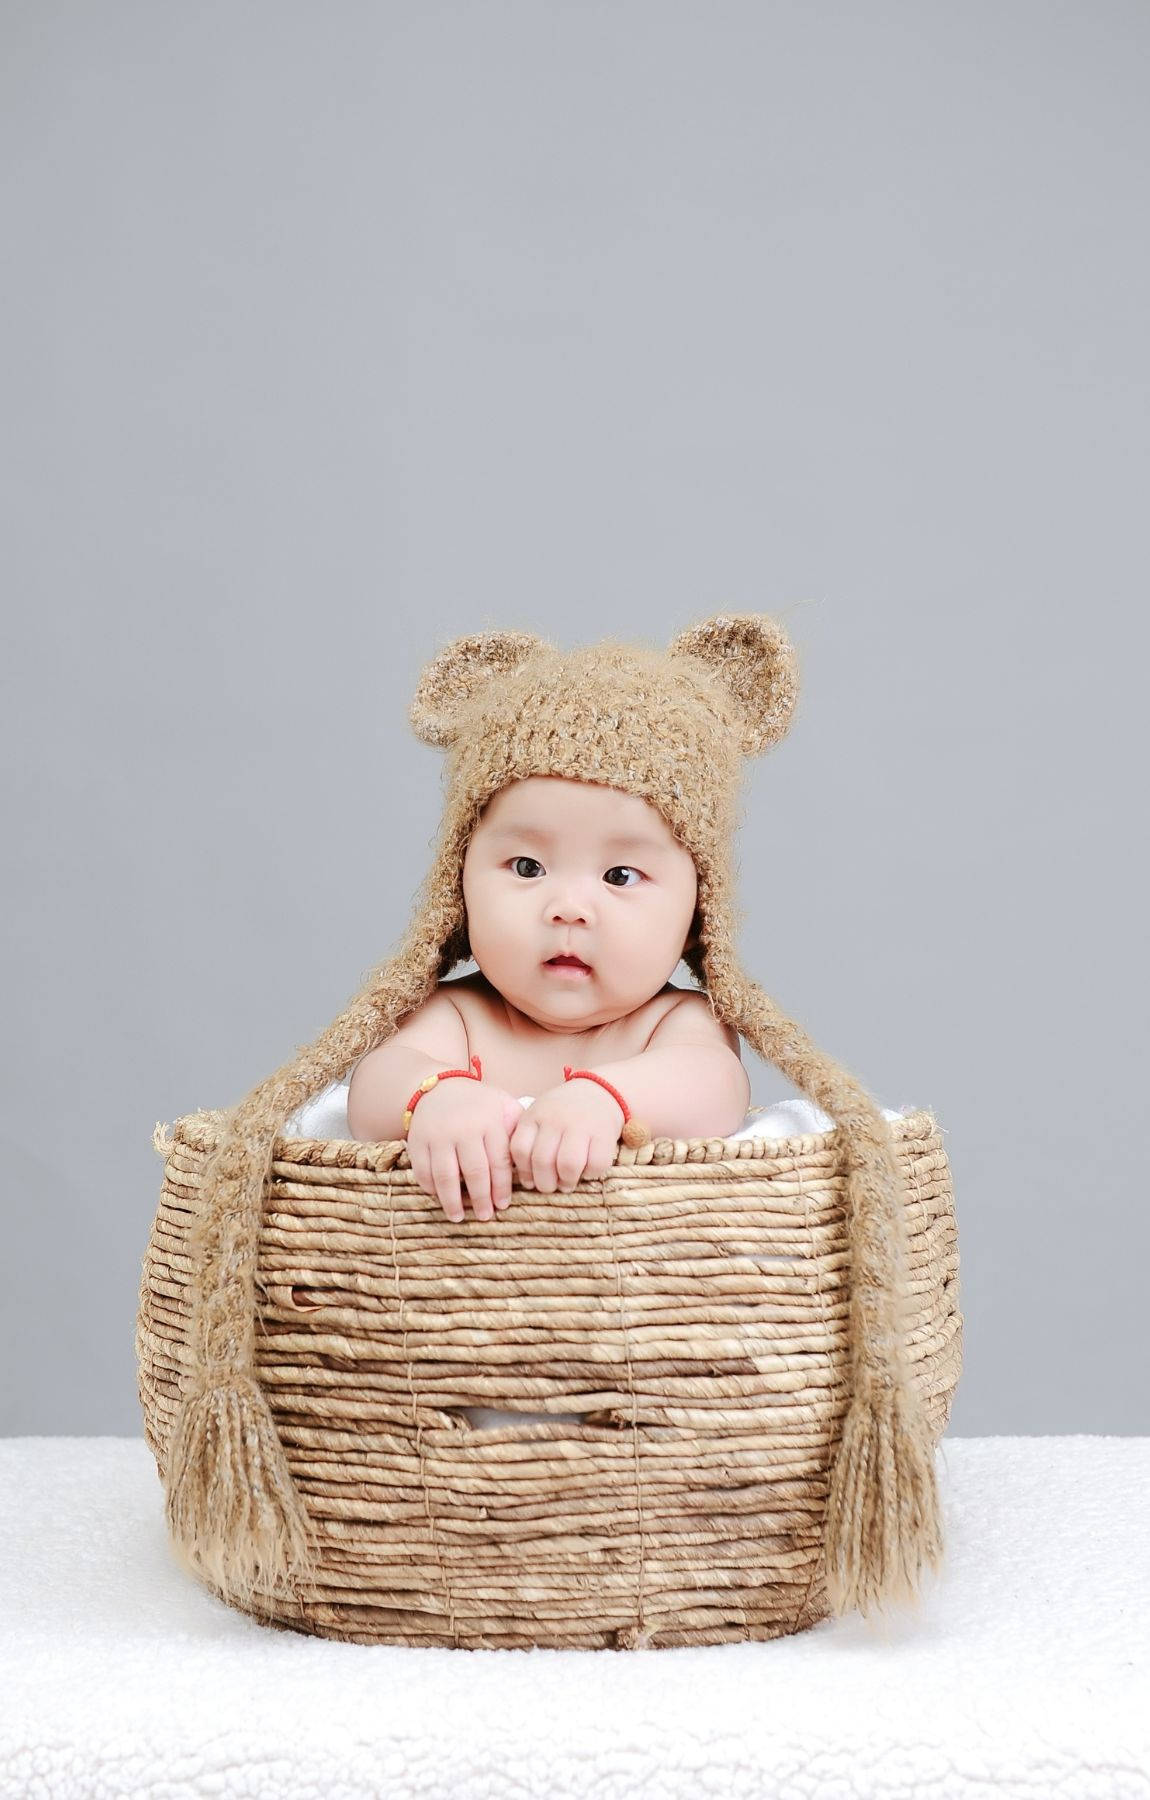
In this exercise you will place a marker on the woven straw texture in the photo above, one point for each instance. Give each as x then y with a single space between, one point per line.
692 1306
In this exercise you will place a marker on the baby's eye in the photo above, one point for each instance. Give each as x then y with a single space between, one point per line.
524 859
624 869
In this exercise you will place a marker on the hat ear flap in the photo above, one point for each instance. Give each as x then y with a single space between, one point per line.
754 659
460 671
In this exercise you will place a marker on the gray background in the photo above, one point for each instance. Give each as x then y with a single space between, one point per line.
332 333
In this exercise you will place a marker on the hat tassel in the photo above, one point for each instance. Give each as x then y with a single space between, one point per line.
233 1510
232 1506
883 1526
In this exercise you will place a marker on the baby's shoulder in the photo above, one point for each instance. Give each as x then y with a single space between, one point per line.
689 1019
476 1002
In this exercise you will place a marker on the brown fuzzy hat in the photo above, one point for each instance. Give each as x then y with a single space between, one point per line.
672 727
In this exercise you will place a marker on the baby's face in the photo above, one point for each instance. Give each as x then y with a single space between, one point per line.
556 865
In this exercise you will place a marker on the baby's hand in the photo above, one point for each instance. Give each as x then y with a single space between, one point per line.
568 1133
459 1129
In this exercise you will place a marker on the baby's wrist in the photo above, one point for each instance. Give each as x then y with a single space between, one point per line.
629 1130
439 1079
613 1107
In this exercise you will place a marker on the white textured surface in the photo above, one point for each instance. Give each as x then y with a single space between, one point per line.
1027 1671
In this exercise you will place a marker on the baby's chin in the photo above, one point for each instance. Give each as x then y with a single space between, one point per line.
580 999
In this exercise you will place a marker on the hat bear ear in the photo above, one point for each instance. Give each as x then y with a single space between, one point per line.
458 672
754 659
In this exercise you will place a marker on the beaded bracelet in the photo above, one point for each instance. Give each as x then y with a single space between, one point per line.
633 1133
429 1082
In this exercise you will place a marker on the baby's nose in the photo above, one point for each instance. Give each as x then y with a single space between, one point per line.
570 911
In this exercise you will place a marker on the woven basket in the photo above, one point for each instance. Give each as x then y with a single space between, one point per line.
691 1307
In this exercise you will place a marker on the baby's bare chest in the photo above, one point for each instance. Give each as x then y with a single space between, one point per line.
524 1065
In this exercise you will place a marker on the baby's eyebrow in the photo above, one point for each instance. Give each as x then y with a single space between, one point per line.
640 840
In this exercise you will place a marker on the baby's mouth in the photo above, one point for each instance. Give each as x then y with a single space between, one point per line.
575 963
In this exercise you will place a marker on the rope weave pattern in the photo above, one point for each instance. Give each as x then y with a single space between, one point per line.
417 1424
701 1330
640 1629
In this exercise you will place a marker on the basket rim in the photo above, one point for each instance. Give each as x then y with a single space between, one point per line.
203 1129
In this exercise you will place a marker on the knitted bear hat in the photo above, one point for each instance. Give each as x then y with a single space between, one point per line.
673 728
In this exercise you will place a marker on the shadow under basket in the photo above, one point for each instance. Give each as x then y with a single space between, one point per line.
690 1310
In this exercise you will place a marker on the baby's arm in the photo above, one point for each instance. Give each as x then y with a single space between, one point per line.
690 1080
433 1038
459 1129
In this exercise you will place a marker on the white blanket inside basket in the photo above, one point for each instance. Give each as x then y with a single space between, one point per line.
326 1117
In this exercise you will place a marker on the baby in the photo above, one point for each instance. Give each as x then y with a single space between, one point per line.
575 947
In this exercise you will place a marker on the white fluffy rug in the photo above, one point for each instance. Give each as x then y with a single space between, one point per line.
1026 1672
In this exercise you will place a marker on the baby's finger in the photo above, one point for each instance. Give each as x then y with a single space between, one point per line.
543 1159
421 1167
474 1165
499 1159
571 1159
600 1157
445 1174
519 1146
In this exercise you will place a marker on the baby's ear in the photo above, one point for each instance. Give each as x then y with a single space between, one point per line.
754 659
692 936
459 672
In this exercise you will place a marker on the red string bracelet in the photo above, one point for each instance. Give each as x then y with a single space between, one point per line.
633 1133
429 1082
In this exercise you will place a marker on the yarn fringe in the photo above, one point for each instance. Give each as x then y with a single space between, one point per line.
231 1504
883 1527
